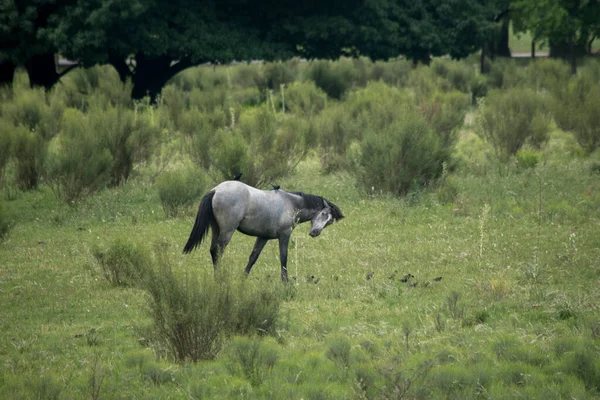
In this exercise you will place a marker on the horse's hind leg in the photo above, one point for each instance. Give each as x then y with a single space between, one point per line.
258 246
218 244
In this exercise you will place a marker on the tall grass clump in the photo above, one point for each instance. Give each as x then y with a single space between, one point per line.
510 118
77 163
252 358
123 263
199 131
393 72
36 118
194 314
6 223
179 190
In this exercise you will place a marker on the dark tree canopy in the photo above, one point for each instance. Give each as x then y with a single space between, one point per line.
149 41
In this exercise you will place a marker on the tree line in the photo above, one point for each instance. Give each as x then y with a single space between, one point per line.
149 41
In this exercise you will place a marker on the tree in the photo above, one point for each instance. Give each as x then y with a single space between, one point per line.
568 26
23 40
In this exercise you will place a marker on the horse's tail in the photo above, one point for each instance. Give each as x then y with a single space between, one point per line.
204 219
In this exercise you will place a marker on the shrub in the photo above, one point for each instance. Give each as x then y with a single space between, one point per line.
261 146
445 113
199 130
576 110
178 190
305 99
527 158
36 118
130 137
334 78
405 154
272 75
123 263
98 86
77 163
338 351
508 119
194 315
394 73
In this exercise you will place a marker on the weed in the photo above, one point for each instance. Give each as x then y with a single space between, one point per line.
123 263
338 351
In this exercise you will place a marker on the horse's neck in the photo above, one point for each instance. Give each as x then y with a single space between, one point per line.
302 211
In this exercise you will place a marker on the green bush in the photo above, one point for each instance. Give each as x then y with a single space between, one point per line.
305 99
406 154
123 263
527 158
194 315
510 118
445 113
77 163
263 146
130 137
576 110
334 78
179 190
36 118
98 86
199 130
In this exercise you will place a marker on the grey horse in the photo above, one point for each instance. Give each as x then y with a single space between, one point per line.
265 214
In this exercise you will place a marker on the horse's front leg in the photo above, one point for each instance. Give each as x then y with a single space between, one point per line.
258 246
283 253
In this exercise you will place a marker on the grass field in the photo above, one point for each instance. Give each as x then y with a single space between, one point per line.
514 315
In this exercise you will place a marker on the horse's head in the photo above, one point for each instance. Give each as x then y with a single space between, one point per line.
324 217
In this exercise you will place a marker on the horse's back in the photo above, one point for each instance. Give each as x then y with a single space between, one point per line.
252 211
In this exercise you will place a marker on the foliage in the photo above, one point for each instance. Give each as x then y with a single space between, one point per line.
123 263
305 99
262 146
77 163
193 316
575 110
130 137
334 78
6 223
179 190
508 119
254 358
404 154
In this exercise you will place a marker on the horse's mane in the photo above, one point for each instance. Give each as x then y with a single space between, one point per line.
316 202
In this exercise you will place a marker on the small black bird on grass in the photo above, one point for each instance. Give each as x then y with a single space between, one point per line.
406 277
237 177
439 278
369 275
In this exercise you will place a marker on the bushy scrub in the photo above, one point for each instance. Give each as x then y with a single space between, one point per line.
304 99
199 131
445 113
262 146
547 74
334 78
78 164
405 154
6 223
252 358
123 263
273 75
393 72
130 137
36 118
508 119
98 86
460 75
179 190
193 315
576 109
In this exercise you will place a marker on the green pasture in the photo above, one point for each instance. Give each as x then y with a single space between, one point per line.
515 313
480 279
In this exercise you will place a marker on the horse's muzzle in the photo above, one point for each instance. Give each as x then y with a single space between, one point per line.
314 233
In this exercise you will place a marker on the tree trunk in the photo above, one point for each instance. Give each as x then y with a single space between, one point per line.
499 46
152 73
7 72
120 65
42 70
533 49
